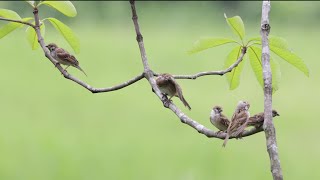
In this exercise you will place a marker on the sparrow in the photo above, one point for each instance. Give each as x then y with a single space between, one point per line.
239 119
63 57
219 120
258 119
169 87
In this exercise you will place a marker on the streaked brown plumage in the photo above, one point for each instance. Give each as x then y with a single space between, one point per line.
258 119
63 57
168 86
238 120
219 120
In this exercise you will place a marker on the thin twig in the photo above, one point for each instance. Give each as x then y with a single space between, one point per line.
150 77
235 64
17 21
69 76
268 126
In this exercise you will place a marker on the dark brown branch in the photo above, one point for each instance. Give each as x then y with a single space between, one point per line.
150 77
195 76
69 76
268 126
17 21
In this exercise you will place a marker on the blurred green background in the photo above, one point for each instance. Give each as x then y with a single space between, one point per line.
51 128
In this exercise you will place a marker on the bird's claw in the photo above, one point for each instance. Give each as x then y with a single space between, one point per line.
56 64
166 101
64 71
219 132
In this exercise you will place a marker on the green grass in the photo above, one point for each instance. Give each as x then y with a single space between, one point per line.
51 128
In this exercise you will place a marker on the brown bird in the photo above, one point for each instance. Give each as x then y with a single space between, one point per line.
168 86
219 120
258 119
239 119
63 57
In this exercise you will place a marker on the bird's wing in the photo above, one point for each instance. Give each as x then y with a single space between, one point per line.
224 120
179 91
241 124
258 118
240 119
65 56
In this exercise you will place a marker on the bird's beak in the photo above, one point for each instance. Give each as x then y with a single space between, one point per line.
46 45
278 114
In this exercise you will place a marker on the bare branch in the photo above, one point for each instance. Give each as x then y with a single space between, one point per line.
120 86
17 21
268 126
195 76
69 76
150 76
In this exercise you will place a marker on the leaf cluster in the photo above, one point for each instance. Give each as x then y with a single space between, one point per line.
65 7
278 47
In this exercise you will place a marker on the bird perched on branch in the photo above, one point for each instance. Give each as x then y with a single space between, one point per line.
258 119
219 120
238 120
63 57
168 86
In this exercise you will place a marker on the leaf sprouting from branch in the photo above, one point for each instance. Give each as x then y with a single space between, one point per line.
206 43
67 33
237 26
233 77
65 7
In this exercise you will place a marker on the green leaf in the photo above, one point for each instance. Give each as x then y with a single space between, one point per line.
274 41
65 7
31 3
237 26
276 74
6 29
233 77
66 33
291 58
254 54
206 43
6 13
32 36
256 65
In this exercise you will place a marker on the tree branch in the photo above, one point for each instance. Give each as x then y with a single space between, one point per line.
69 76
17 21
150 77
195 76
148 74
268 126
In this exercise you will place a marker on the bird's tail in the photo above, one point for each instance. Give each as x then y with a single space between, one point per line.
185 102
225 140
78 67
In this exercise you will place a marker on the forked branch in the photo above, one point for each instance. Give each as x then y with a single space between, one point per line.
150 77
147 73
69 76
